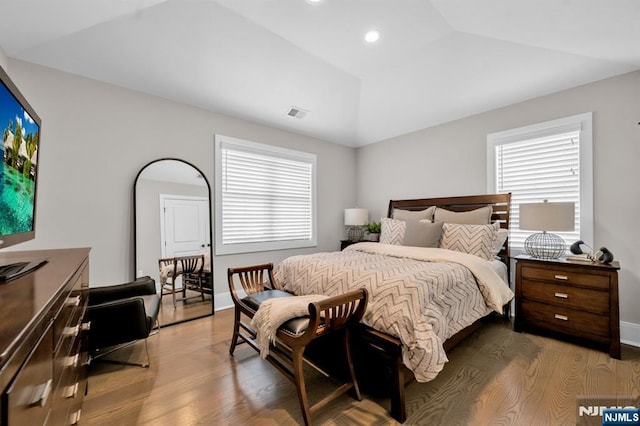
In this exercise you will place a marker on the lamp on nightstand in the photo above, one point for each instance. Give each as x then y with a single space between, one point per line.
355 219
546 217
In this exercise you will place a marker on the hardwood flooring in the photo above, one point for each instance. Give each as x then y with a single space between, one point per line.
494 377
185 310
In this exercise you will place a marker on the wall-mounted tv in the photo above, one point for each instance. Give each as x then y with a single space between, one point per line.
20 127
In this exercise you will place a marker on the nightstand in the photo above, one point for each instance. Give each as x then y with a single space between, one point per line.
576 301
346 243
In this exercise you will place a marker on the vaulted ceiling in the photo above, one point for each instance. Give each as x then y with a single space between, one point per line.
435 61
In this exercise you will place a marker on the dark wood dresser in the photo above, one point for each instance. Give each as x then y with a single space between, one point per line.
577 301
43 339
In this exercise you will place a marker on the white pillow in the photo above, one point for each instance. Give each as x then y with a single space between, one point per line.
478 240
392 231
501 237
481 216
413 215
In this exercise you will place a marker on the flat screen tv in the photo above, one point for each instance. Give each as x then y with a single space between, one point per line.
20 127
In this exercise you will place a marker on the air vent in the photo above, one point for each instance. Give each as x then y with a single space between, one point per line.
297 112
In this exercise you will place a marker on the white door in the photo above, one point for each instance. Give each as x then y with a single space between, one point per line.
185 225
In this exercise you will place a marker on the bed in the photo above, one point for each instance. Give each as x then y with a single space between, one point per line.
423 300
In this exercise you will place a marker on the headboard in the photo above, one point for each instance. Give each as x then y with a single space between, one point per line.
501 204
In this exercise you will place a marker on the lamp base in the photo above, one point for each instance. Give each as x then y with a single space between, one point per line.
355 233
545 245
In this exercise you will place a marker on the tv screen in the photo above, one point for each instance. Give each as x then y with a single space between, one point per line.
20 127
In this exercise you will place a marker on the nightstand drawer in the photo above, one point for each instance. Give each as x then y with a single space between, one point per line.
564 320
594 301
566 276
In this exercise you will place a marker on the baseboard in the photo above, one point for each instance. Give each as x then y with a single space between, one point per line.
223 301
630 333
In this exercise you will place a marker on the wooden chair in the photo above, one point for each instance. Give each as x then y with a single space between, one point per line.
177 266
332 315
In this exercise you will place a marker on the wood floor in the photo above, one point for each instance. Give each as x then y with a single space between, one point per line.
184 310
495 377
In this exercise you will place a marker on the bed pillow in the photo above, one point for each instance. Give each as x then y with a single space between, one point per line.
422 233
481 216
392 231
473 239
501 237
413 215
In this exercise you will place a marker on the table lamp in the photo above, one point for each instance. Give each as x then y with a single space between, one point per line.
355 218
546 217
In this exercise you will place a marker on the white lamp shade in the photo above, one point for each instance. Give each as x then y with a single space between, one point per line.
547 216
356 217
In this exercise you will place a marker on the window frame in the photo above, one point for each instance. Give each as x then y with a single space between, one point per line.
582 122
269 150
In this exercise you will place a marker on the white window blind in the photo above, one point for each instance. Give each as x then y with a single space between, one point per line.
537 170
550 161
266 197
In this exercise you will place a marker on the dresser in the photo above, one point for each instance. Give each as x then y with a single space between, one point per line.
43 339
576 301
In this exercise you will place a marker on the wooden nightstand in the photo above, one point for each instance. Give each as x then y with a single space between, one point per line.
577 301
346 243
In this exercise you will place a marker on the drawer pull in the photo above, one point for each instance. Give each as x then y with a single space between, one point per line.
72 301
561 317
86 326
562 295
71 331
74 418
71 361
71 391
561 277
41 394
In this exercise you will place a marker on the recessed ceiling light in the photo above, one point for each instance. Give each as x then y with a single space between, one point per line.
314 1
372 36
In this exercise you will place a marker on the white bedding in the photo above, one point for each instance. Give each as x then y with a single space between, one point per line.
420 295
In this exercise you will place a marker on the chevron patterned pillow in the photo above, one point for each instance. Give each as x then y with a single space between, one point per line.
392 231
472 239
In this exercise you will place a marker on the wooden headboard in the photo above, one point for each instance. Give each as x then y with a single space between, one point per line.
501 204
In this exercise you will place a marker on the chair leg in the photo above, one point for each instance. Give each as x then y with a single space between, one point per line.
298 372
236 330
347 348
173 294
201 289
99 357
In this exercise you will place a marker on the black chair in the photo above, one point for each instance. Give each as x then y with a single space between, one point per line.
121 315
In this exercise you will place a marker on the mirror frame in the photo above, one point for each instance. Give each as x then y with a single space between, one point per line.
135 231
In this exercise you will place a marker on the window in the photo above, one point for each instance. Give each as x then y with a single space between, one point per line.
547 161
265 197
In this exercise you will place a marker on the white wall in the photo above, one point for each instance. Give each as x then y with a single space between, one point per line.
450 159
96 137
3 60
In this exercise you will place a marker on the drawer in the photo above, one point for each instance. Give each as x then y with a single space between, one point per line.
65 395
595 301
69 346
564 320
28 399
566 276
72 308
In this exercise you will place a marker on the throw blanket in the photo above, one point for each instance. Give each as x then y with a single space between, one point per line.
272 313
420 302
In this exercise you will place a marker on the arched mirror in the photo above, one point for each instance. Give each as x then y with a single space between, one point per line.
172 209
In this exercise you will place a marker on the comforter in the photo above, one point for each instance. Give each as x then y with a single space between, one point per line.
420 295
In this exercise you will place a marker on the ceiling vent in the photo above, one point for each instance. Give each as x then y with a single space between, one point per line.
297 112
